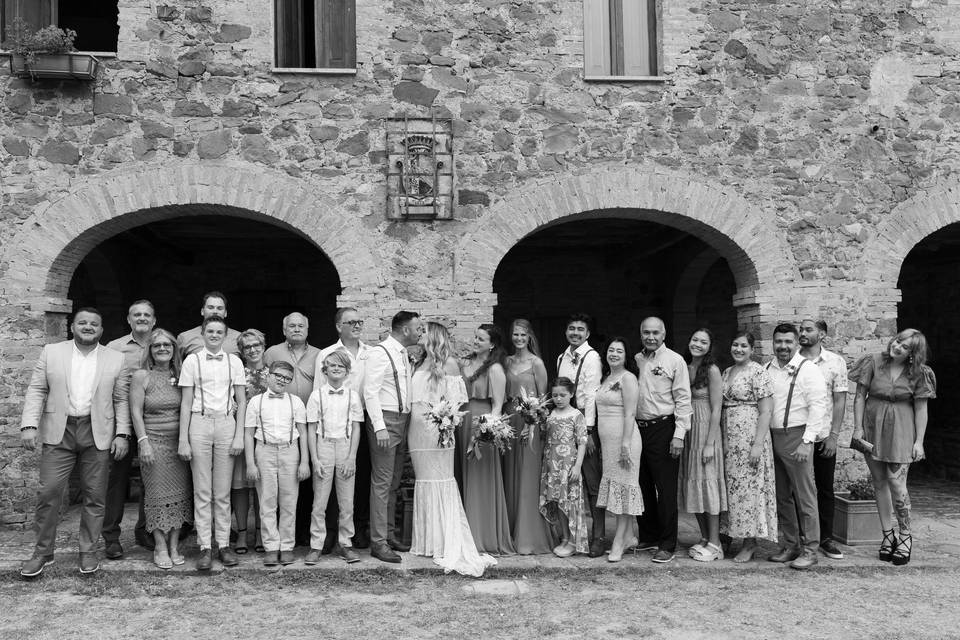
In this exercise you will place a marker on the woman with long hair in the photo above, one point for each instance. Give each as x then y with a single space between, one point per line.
482 483
440 526
889 423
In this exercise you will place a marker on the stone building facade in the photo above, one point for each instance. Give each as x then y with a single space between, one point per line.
782 163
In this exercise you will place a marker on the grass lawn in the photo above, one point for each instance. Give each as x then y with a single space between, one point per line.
658 603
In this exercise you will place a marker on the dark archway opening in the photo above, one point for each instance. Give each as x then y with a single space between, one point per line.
265 271
931 303
619 271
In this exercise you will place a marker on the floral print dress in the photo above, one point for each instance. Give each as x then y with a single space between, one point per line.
564 435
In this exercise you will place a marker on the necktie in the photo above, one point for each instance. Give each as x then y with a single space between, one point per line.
275 395
335 392
219 356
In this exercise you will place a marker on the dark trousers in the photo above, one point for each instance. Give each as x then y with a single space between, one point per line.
659 474
796 491
823 471
592 473
117 488
361 495
56 464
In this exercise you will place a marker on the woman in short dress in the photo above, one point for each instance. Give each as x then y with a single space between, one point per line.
890 415
250 345
747 450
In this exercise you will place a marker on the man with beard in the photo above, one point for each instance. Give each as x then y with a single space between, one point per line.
799 410
834 370
191 340
76 406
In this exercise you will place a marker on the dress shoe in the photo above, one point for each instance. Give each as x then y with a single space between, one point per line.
286 557
35 565
597 548
113 550
807 559
313 557
786 555
348 554
397 545
662 556
271 558
205 560
384 553
89 563
143 539
228 558
830 549
361 540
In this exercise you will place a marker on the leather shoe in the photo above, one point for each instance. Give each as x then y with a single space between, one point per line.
271 558
35 566
596 548
143 539
396 545
89 563
786 555
361 540
313 557
205 560
228 558
286 557
384 553
348 554
806 560
113 550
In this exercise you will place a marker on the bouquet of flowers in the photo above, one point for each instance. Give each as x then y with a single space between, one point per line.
487 428
445 417
534 411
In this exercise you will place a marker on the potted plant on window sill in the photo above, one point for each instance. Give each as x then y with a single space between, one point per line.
48 53
856 520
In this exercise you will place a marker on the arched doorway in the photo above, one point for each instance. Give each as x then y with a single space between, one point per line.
619 269
265 270
931 303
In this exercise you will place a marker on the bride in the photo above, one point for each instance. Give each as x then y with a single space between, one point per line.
440 527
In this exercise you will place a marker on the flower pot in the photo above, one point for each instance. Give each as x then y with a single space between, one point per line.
856 521
57 66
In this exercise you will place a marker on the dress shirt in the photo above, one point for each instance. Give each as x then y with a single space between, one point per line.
664 388
379 387
341 408
131 349
272 419
191 341
809 404
834 370
83 378
303 366
355 379
589 382
219 377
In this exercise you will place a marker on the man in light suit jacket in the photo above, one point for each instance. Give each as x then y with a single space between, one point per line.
76 405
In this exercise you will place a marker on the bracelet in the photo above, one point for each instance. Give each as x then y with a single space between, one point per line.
141 439
22 429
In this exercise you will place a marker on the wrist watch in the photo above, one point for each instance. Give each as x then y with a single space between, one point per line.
805 441
125 436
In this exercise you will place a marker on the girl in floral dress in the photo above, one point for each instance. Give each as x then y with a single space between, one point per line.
561 494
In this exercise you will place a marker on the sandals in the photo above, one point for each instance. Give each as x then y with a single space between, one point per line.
698 548
240 547
901 552
888 546
176 557
745 554
565 549
709 553
162 559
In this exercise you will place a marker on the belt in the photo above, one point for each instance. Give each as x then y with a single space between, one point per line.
275 445
654 421
77 418
796 426
213 414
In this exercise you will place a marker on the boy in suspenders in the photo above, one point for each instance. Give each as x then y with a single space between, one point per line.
275 443
334 420
214 392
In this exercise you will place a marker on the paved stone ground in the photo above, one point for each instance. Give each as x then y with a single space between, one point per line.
936 544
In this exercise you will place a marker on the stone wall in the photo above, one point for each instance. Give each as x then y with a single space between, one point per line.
787 135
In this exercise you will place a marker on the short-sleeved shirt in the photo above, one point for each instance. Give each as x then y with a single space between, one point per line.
334 411
275 418
214 378
131 349
834 370
303 366
191 341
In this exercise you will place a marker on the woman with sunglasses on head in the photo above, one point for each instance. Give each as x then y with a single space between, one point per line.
251 345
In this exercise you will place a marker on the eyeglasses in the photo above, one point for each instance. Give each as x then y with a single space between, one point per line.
356 324
251 347
335 366
281 378
162 345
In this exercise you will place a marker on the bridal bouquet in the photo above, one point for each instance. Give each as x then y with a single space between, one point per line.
445 417
487 428
534 411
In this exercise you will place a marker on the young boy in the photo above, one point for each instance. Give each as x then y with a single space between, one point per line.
214 392
334 417
277 461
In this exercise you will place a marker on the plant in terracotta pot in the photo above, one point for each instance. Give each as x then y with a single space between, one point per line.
856 520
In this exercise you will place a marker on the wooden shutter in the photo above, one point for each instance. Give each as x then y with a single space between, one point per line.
37 13
596 38
639 38
336 34
288 34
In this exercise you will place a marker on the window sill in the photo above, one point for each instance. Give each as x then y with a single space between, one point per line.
316 72
95 54
626 78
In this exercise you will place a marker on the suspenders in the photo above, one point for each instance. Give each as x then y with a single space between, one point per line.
203 404
793 383
293 419
396 379
323 430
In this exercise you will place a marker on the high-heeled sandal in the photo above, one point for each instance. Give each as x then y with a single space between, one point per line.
615 555
888 546
240 546
903 549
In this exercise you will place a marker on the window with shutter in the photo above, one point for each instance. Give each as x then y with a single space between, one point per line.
95 21
316 34
620 39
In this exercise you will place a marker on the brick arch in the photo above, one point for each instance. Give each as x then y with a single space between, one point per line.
40 260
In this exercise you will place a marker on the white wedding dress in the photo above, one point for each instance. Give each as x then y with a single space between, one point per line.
440 527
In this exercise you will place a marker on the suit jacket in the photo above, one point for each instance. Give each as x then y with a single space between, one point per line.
47 398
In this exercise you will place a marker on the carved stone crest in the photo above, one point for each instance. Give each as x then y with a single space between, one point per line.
420 169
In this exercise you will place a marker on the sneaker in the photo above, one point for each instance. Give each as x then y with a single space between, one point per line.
646 546
113 550
807 559
348 554
35 566
830 549
313 557
662 556
286 557
89 563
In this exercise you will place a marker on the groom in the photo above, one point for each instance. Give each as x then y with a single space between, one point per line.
386 393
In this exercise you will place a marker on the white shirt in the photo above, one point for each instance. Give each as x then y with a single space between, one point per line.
379 386
590 374
83 378
834 370
664 388
809 404
340 409
275 419
355 379
219 376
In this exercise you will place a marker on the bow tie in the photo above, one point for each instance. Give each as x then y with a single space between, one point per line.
219 356
335 392
275 395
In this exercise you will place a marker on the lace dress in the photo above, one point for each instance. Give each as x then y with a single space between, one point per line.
167 494
440 527
619 488
564 435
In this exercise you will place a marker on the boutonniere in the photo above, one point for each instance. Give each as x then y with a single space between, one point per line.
615 386
173 381
575 358
791 369
658 371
